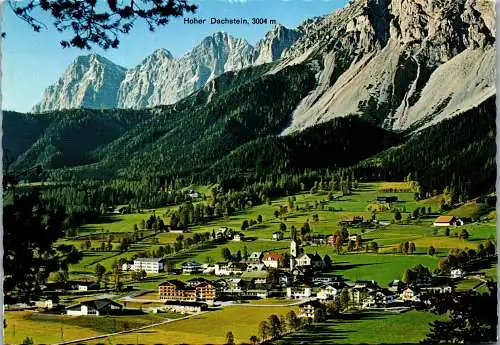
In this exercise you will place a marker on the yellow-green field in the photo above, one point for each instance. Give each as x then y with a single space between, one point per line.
208 328
243 320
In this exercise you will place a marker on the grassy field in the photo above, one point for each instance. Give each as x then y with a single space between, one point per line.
380 267
368 328
51 328
208 328
243 320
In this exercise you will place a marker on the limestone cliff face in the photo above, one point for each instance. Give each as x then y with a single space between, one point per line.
275 43
94 82
161 79
398 62
89 82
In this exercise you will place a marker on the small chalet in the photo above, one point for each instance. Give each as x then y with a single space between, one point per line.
95 307
379 298
318 239
327 280
193 194
299 291
396 285
272 260
255 267
457 273
447 221
238 237
87 286
409 294
310 309
314 261
368 284
221 268
191 267
255 257
352 220
328 291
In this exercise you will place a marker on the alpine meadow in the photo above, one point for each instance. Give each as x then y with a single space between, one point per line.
333 183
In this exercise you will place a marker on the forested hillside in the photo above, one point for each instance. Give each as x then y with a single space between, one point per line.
195 133
458 153
67 137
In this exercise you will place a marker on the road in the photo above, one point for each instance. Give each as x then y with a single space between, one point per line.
127 331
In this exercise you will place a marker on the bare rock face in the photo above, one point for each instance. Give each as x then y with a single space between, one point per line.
397 63
161 79
95 82
89 82
275 43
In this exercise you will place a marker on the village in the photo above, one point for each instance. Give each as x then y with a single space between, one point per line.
302 273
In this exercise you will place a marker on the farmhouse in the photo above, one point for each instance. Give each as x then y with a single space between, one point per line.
150 265
457 273
447 221
379 298
311 309
314 261
95 307
409 294
255 257
238 237
328 291
191 267
272 260
300 291
352 220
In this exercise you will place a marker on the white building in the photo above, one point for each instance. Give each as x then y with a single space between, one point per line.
457 273
150 265
327 291
221 268
95 307
298 292
315 261
272 260
191 267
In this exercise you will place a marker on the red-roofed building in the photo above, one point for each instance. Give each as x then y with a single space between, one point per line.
447 221
273 260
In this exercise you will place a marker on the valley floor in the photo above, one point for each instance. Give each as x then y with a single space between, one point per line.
243 320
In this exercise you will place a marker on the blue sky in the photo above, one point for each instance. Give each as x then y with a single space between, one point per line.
32 61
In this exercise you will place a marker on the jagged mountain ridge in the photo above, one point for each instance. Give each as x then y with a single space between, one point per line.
393 62
396 62
160 78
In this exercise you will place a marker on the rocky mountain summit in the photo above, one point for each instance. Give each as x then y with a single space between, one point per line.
160 78
400 64
90 81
